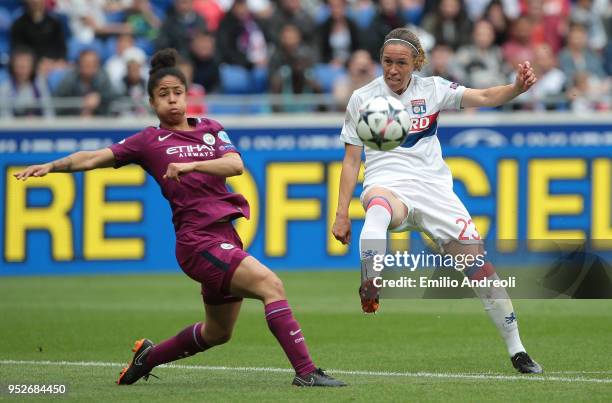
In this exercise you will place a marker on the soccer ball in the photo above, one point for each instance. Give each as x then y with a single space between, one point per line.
383 123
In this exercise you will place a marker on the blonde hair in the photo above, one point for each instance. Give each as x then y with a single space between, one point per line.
413 43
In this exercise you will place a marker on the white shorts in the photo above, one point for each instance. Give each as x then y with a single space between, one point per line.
433 209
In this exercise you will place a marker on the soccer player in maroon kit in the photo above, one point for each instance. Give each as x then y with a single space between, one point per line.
190 159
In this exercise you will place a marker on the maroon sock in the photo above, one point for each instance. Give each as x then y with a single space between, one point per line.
188 342
289 335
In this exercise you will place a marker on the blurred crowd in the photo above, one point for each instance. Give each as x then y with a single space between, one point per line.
89 57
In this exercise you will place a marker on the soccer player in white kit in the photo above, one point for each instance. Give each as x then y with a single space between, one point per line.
411 187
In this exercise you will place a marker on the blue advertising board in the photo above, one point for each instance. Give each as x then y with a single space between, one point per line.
517 181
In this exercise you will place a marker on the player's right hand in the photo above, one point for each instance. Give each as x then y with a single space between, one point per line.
33 170
342 229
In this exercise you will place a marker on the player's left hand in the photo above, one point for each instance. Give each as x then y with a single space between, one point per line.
33 170
176 169
525 77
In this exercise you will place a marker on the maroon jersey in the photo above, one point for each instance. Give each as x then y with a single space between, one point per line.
199 199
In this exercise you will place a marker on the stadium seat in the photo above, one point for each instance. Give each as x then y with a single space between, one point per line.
239 80
162 4
4 75
55 77
322 13
114 17
75 48
363 16
259 80
5 20
65 21
326 74
234 79
5 45
12 5
146 45
16 12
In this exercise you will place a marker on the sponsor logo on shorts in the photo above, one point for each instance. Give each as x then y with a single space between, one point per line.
208 139
224 137
227 246
122 141
293 333
454 86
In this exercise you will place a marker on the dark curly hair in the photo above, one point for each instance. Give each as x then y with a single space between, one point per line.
163 63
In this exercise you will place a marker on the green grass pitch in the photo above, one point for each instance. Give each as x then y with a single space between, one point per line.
413 350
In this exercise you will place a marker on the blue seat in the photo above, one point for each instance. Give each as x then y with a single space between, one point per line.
146 45
326 75
363 16
6 20
65 21
322 13
4 75
162 4
16 12
5 43
259 80
75 48
114 17
110 47
234 79
55 77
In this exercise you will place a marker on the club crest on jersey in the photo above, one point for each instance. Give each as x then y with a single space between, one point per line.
208 139
224 137
418 106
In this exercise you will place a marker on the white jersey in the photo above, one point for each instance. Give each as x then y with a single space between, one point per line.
420 156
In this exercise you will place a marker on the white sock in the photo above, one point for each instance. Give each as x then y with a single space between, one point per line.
498 306
373 238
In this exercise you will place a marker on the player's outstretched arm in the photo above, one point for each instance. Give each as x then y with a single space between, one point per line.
228 165
348 180
79 161
496 96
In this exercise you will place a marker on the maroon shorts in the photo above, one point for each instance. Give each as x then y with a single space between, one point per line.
213 261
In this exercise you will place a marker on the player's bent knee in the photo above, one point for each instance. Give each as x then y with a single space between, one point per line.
274 288
218 339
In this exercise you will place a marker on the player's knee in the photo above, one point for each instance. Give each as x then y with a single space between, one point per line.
274 287
218 338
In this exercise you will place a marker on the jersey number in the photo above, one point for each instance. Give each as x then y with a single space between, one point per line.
467 223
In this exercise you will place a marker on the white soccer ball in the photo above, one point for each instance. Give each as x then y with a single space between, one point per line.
384 123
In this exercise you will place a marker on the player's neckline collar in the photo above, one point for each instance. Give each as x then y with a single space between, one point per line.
190 120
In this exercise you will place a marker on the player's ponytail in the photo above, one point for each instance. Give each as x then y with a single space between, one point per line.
163 63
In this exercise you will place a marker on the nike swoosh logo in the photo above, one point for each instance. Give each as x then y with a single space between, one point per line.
160 138
291 333
139 356
304 383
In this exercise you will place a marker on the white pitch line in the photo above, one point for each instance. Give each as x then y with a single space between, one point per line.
580 372
439 375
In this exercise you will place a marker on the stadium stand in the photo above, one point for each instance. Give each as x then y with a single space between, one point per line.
532 22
